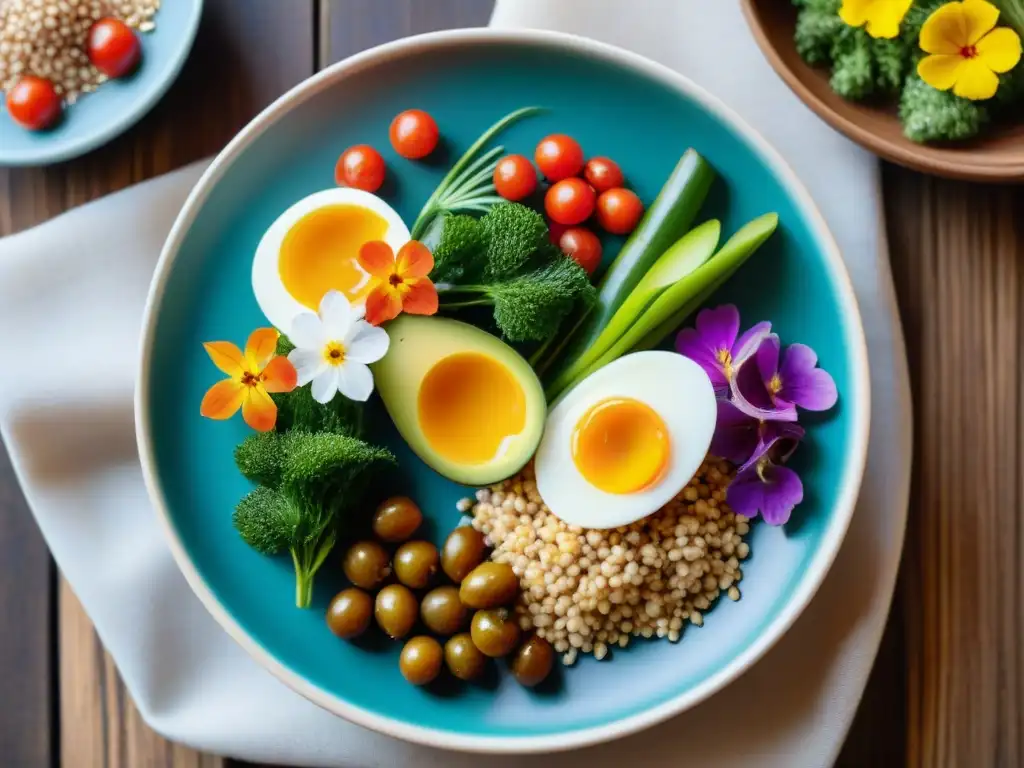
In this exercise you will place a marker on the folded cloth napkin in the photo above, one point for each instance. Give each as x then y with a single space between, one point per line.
71 298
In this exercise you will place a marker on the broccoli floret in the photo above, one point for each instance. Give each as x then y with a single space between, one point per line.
514 234
929 114
852 75
817 27
321 476
259 458
460 249
532 306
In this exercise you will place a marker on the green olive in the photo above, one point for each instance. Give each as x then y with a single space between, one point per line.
489 585
442 611
396 519
462 552
463 658
395 610
495 632
416 563
349 613
420 661
533 662
366 564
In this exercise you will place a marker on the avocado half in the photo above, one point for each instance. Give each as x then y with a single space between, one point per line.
451 388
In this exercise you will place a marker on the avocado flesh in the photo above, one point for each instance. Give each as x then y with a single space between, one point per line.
421 349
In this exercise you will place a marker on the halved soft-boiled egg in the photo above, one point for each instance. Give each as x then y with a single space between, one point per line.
626 440
313 247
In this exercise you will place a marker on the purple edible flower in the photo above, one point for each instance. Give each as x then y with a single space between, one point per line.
714 345
770 388
763 485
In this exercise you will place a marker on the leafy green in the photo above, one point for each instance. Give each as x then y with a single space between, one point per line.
461 249
320 477
514 233
929 114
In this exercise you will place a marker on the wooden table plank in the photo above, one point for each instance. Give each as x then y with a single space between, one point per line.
243 59
959 277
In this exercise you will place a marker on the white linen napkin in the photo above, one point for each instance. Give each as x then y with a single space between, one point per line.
71 298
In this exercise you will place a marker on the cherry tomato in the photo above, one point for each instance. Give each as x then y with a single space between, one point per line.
556 230
559 156
619 210
570 201
113 47
582 245
515 177
360 167
414 134
603 174
33 103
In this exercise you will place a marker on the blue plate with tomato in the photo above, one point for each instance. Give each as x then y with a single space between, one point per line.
95 118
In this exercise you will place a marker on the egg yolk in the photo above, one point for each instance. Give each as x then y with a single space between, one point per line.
470 406
621 445
320 252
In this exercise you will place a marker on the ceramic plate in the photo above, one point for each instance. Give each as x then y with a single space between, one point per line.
614 103
98 117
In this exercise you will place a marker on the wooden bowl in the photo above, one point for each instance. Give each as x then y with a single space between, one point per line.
997 156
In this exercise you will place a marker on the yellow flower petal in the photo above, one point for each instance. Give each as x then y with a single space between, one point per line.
884 20
260 347
975 81
1000 49
258 410
945 31
223 399
227 357
980 18
855 12
940 71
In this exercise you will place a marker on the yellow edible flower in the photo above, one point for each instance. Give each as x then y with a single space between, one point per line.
967 51
881 17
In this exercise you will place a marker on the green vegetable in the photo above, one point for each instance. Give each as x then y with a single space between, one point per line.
667 219
1012 13
686 255
321 476
928 114
259 458
514 233
530 306
469 186
460 250
736 250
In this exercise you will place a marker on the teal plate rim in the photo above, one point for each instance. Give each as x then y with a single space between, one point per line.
73 140
858 398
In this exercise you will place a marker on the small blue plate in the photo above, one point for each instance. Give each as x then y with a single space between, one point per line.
116 105
616 104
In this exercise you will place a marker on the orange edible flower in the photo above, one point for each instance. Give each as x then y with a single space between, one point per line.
399 284
252 377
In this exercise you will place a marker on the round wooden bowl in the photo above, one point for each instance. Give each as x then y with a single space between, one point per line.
997 156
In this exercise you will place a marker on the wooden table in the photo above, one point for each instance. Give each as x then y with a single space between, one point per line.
948 686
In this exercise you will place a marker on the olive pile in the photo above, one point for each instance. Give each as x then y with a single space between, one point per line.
477 586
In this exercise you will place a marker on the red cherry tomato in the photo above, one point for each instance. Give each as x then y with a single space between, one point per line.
603 174
33 103
515 177
556 230
582 245
414 134
113 47
360 167
619 211
570 201
559 156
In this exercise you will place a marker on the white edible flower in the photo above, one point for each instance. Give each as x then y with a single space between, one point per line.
333 349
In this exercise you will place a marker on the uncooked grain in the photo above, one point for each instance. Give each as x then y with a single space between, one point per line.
587 591
47 38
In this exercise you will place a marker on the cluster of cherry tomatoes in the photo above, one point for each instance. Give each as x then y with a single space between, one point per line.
413 134
112 47
580 189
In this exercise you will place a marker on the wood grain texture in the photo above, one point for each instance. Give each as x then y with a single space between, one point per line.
956 257
242 60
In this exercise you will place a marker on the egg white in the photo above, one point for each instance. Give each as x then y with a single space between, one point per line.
279 306
673 386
